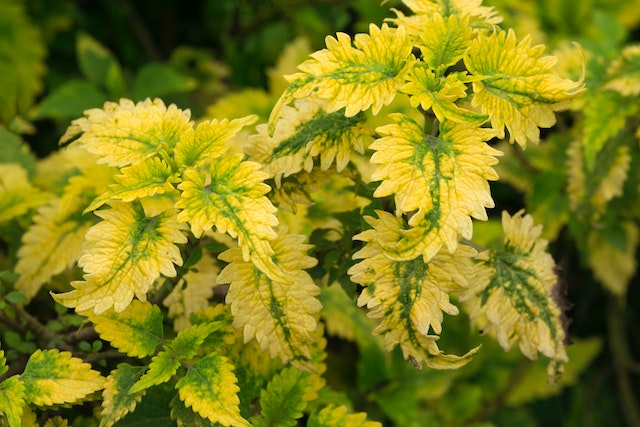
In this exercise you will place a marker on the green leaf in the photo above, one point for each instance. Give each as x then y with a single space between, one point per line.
163 366
340 417
445 40
15 297
12 400
68 101
54 378
188 341
153 410
355 78
99 65
286 396
158 80
185 417
210 389
16 150
22 54
117 399
122 256
137 331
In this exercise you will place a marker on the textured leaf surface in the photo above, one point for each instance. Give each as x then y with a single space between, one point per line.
304 132
163 366
210 389
51 244
208 141
117 401
17 195
122 256
21 60
443 179
411 297
52 378
136 331
286 396
519 88
232 198
355 77
188 342
279 314
147 178
514 294
12 400
127 133
445 40
340 417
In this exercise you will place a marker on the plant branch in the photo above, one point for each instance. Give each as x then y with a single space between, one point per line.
621 360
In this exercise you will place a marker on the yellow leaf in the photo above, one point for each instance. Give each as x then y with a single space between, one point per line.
340 417
117 401
519 88
17 195
515 294
440 180
12 400
122 256
279 314
410 297
127 133
54 378
356 77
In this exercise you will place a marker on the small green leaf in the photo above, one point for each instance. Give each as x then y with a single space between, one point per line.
163 366
99 65
210 389
12 400
68 101
54 378
158 80
187 343
136 331
16 297
286 396
16 150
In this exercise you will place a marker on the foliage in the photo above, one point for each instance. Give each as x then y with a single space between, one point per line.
199 251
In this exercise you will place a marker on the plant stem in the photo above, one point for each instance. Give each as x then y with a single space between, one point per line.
621 360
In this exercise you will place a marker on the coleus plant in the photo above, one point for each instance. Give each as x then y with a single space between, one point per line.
172 226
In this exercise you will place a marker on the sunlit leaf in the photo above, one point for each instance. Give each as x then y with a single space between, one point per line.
411 297
52 378
127 133
340 417
444 40
304 132
355 77
117 401
515 294
137 331
210 389
17 195
122 256
519 88
163 366
147 178
12 400
208 141
441 180
279 314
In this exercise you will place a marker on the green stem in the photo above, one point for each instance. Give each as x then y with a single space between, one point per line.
621 360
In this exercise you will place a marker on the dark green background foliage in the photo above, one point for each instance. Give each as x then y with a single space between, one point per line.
194 53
